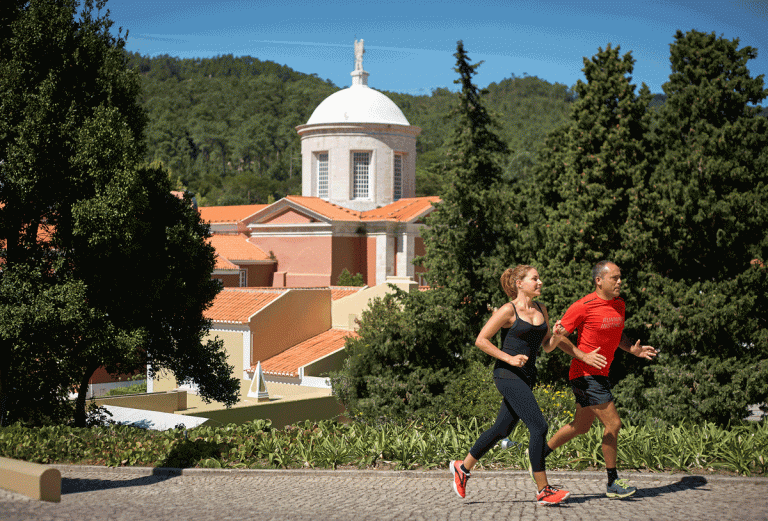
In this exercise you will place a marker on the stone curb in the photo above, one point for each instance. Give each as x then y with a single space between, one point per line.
429 474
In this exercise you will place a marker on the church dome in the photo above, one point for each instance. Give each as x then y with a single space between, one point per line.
358 104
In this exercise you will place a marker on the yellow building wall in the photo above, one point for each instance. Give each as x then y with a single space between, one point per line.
346 310
297 315
233 346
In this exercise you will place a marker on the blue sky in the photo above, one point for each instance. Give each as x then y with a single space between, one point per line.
409 45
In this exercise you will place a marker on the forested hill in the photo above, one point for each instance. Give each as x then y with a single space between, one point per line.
225 126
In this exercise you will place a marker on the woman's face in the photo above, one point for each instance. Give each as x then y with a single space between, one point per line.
530 284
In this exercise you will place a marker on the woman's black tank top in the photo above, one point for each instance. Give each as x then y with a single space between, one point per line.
522 338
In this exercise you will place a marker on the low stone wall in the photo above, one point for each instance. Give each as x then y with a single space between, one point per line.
171 401
281 412
30 479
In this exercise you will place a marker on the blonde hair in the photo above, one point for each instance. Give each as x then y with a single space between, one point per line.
512 275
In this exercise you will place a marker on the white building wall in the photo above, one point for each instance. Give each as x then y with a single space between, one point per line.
340 140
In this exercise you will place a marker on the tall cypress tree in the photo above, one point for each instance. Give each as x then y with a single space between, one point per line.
589 174
587 180
704 234
470 241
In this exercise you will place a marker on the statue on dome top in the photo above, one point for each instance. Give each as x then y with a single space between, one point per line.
359 51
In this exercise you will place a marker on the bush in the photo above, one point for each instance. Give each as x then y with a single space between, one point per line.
347 279
474 394
131 389
408 350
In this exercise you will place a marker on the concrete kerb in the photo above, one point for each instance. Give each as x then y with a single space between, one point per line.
37 481
428 474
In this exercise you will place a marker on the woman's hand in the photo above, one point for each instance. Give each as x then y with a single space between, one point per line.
559 330
518 360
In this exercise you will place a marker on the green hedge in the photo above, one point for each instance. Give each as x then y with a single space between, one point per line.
741 449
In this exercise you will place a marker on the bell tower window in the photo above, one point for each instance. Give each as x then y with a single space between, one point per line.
361 162
397 179
321 159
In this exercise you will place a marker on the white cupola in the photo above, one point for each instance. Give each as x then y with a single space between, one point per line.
358 149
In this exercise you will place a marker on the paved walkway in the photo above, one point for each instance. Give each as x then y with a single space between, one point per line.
199 494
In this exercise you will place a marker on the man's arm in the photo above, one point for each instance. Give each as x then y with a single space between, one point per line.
593 358
647 352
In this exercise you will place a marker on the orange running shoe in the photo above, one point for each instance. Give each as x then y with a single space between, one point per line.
459 479
551 496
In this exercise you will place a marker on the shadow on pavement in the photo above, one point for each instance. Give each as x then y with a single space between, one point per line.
75 485
685 483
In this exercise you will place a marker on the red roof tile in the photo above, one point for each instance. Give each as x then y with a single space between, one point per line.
237 248
288 362
338 292
403 210
224 264
229 214
238 305
324 208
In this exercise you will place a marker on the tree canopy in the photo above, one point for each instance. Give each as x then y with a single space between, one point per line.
225 126
101 263
673 189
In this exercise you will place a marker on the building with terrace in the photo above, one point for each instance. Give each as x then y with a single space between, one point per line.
282 320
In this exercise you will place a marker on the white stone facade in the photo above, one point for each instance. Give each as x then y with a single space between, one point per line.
338 143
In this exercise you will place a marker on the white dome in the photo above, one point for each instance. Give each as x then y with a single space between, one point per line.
358 104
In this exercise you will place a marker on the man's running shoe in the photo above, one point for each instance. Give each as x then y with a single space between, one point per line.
459 479
528 464
620 489
551 496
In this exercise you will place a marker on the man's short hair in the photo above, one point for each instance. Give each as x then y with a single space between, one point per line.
598 270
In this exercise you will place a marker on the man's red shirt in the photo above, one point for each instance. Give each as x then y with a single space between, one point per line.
600 324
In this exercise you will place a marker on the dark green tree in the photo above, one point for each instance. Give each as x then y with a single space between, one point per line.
470 240
404 357
347 279
102 265
703 239
588 177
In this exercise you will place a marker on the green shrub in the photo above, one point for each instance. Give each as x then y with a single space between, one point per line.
131 389
474 394
429 443
347 279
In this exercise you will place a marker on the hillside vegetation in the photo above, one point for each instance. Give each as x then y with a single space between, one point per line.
226 126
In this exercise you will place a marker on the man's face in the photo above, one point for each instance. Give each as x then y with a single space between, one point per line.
609 284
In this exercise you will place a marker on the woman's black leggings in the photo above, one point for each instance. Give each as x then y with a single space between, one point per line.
518 404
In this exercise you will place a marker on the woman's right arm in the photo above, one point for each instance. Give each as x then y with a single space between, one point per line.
484 340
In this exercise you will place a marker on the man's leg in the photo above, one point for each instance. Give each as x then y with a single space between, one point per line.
582 422
609 417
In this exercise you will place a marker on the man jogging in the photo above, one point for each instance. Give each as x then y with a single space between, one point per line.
599 319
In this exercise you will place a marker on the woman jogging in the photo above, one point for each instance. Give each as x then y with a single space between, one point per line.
524 326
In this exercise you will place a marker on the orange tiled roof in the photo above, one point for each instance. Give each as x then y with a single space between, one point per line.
224 264
338 292
236 248
288 362
326 209
402 210
237 305
229 214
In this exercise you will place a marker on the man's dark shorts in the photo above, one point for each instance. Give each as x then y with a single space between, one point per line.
591 390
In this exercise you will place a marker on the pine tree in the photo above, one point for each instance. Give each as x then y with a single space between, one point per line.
589 173
703 228
469 242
